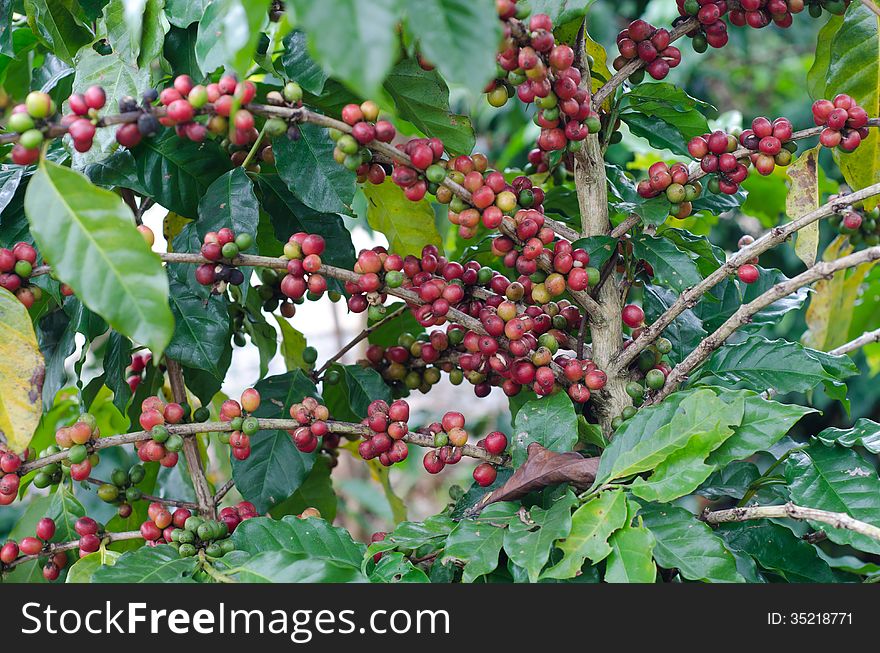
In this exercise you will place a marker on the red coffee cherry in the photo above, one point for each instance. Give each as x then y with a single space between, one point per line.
748 273
46 529
633 316
485 474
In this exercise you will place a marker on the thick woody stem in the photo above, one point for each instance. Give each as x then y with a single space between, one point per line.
191 446
690 297
865 339
745 312
792 511
606 329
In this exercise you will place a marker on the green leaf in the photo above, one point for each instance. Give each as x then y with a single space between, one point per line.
591 526
779 364
6 48
275 468
293 343
299 66
230 202
685 543
685 332
672 267
57 27
529 544
21 374
838 480
88 234
664 115
117 357
818 72
477 544
201 330
173 171
348 399
312 537
183 13
179 50
732 480
413 535
119 77
359 49
864 433
764 423
561 11
229 31
778 550
549 421
307 167
422 98
136 29
460 36
288 567
856 46
396 568
149 564
315 492
600 248
407 225
630 558
83 570
657 433
682 471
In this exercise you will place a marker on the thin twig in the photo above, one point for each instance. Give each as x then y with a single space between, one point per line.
180 503
745 312
690 297
363 334
792 511
223 491
57 547
865 339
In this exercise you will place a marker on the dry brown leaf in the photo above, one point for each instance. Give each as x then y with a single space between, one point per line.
541 469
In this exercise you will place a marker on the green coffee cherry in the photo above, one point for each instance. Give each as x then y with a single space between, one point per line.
655 379
78 453
133 494
250 425
310 355
159 434
119 477
136 474
108 493
292 92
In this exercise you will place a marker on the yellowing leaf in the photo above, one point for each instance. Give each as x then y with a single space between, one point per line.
407 225
831 308
803 197
21 374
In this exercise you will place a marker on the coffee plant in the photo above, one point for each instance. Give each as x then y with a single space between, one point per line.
680 307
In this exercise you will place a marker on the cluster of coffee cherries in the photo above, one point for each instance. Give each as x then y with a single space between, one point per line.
570 266
350 149
835 7
641 40
770 143
10 462
220 247
232 516
715 153
859 225
543 72
426 155
186 532
388 426
312 417
77 439
845 122
759 13
377 269
163 446
90 534
492 198
30 121
290 96
711 30
121 490
303 253
673 182
241 421
32 546
408 364
135 372
16 266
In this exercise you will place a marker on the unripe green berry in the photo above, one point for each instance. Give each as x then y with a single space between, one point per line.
78 453
244 241
310 355
108 493
229 250
292 92
655 379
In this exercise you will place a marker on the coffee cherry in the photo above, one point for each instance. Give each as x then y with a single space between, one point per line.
748 273
495 443
30 546
45 529
633 316
485 474
8 552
